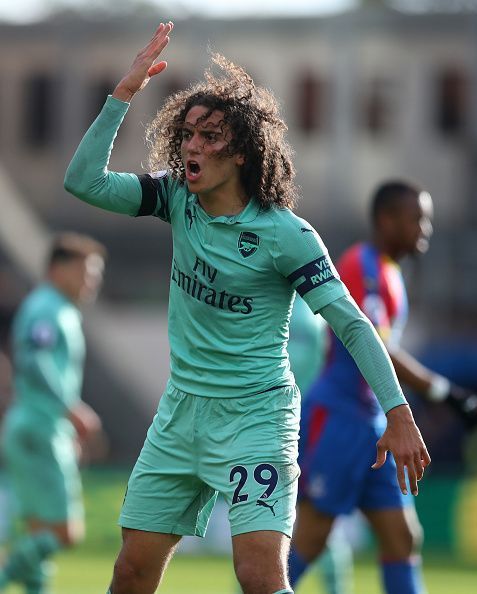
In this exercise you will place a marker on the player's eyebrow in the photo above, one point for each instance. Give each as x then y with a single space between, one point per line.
200 125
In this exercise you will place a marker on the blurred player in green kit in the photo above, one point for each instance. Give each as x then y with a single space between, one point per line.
307 347
47 419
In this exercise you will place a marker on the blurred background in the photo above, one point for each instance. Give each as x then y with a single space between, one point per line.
370 90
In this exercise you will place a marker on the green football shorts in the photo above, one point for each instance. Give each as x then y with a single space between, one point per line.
43 471
197 447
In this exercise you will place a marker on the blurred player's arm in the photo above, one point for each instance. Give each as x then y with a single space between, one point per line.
40 365
38 362
85 420
434 387
402 437
428 384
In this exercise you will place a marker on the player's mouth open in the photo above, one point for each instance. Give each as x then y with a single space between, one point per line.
193 170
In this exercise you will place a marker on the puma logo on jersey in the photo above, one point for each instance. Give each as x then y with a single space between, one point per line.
262 503
306 230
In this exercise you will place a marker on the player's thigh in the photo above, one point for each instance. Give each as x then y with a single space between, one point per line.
260 559
249 455
336 455
398 531
312 529
164 493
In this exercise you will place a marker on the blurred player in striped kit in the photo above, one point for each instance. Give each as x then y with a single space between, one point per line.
341 415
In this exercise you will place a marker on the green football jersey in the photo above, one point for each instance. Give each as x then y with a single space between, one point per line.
48 353
233 278
307 344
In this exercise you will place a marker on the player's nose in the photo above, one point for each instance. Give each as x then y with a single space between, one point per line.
194 144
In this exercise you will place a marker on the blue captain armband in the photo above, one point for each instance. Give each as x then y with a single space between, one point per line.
312 275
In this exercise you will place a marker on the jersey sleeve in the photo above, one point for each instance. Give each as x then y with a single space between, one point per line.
369 353
89 179
157 195
302 257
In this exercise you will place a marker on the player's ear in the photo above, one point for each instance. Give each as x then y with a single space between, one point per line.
239 159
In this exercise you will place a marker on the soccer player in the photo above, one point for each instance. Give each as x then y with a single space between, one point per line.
307 347
47 415
341 418
229 417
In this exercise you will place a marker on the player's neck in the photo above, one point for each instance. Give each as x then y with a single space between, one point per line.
63 288
223 203
385 248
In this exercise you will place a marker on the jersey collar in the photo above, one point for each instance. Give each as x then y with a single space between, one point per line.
247 215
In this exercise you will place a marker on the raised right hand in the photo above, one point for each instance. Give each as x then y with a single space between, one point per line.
144 65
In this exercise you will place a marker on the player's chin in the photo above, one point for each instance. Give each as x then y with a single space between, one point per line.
193 186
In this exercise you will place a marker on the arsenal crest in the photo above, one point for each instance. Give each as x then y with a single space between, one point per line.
248 243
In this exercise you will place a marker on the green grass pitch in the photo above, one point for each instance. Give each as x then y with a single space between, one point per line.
87 569
82 573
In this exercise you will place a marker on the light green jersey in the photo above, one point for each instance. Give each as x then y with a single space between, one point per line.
233 278
307 344
48 352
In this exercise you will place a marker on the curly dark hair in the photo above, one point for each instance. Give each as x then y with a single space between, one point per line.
252 114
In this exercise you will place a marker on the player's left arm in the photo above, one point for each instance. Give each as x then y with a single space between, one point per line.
402 436
303 259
